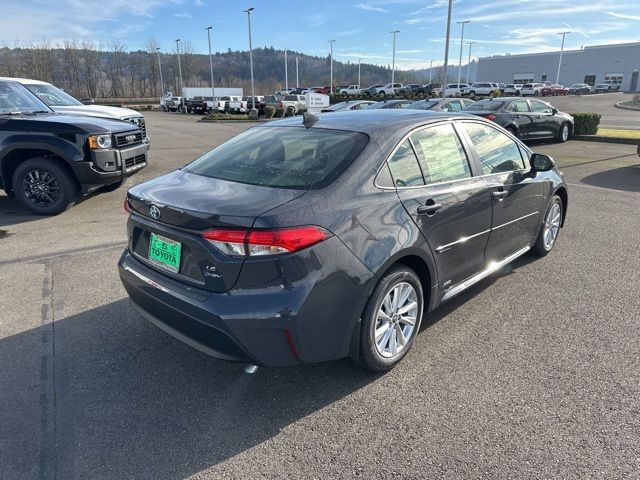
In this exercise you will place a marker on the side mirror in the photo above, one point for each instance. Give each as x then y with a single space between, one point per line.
87 101
541 163
554 111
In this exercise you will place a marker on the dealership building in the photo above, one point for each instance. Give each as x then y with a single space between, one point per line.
590 65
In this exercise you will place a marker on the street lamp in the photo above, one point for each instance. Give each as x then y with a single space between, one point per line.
560 61
430 69
184 100
213 91
469 62
253 96
331 67
446 50
359 62
286 72
393 61
297 81
160 68
463 22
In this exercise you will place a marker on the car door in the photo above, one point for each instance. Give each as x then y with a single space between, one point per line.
545 120
516 194
450 205
523 117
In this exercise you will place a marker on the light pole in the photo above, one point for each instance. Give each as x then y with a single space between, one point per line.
253 96
560 61
393 61
331 67
184 100
359 62
213 90
446 51
297 82
463 22
430 69
469 62
286 72
160 68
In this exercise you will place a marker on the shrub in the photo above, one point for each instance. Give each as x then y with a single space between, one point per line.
269 111
586 123
225 116
279 113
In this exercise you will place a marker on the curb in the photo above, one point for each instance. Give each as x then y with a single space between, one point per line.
626 107
595 138
202 120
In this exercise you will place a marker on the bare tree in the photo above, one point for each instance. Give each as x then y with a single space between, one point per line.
71 64
151 45
114 69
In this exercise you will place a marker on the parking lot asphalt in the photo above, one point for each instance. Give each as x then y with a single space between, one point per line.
602 103
534 373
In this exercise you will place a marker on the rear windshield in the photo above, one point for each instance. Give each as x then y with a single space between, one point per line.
424 104
291 98
484 105
282 157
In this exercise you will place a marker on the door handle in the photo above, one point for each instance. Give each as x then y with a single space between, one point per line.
499 194
429 210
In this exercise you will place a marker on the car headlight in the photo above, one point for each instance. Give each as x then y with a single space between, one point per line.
98 142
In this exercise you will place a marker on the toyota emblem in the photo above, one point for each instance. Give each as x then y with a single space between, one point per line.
154 212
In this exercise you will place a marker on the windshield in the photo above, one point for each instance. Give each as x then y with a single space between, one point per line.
14 98
424 104
484 105
53 96
282 157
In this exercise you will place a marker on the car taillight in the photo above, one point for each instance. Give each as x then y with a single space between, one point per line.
126 206
252 243
491 117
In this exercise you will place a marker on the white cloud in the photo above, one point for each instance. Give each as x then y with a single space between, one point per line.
371 8
622 15
183 15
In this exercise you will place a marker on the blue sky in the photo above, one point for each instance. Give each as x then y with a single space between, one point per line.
360 28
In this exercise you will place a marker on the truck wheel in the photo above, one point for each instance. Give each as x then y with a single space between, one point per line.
290 112
43 187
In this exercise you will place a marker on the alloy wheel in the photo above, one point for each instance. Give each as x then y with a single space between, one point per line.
552 225
41 187
396 320
565 132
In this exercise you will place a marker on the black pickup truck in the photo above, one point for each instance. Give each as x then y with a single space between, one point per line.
47 159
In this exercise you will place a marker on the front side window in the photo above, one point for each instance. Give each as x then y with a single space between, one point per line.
441 154
404 166
540 107
497 152
282 157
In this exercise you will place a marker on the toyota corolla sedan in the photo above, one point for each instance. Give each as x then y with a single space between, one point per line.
306 240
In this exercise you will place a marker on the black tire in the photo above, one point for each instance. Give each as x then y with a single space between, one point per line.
562 136
540 249
369 357
61 187
291 111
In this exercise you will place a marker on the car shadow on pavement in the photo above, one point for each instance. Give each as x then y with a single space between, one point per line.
132 402
623 178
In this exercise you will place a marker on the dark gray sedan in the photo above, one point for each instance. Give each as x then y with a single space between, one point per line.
525 118
350 105
313 239
438 104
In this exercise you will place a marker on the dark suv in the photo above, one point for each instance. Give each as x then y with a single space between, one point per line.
48 158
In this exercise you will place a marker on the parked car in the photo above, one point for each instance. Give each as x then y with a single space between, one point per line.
446 105
299 91
324 90
411 88
512 89
272 101
454 89
47 159
285 91
165 100
350 105
244 104
174 104
225 101
389 89
372 90
579 89
294 104
480 89
608 86
351 90
531 89
61 102
553 90
528 119
295 244
198 104
387 104
430 88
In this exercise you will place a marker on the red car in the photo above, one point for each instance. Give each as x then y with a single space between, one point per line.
326 89
553 90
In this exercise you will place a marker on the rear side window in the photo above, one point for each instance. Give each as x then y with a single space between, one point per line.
404 166
497 152
282 157
519 106
441 154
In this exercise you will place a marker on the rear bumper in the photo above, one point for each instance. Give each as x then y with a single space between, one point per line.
308 317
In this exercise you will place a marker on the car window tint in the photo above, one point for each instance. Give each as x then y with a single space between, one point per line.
284 157
519 106
540 107
497 152
404 166
455 106
441 154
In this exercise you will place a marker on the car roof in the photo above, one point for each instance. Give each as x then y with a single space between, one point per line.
372 122
28 81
